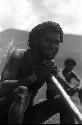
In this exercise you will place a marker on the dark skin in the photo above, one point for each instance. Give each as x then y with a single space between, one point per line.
22 71
14 64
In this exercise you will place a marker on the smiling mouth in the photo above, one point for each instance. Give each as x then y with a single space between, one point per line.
51 51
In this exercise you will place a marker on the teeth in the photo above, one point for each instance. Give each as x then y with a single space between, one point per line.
51 51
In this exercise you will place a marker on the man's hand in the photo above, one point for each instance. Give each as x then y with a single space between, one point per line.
45 69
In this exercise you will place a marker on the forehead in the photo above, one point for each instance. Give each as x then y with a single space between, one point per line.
52 35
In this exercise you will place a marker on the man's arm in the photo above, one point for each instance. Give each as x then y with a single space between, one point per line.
8 77
76 76
78 79
63 80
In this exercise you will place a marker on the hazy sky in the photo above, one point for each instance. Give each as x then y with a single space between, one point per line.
25 14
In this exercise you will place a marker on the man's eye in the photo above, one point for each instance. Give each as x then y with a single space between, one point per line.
49 41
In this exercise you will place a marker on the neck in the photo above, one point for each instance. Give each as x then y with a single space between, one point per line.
66 71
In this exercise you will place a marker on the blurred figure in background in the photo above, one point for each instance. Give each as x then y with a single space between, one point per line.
71 78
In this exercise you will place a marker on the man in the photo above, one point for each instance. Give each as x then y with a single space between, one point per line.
27 71
70 76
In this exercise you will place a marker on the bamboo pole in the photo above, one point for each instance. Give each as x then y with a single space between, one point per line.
67 100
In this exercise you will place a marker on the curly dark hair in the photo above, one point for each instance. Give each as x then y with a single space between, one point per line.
69 61
38 32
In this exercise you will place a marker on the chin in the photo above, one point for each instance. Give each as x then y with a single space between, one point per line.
49 56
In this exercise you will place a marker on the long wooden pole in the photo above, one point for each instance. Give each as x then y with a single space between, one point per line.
67 99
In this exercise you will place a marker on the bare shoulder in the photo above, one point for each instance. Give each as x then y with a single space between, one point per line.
18 53
16 56
11 66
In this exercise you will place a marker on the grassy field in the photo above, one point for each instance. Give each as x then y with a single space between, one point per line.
56 118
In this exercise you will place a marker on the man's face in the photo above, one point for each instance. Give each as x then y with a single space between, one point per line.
50 44
69 67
